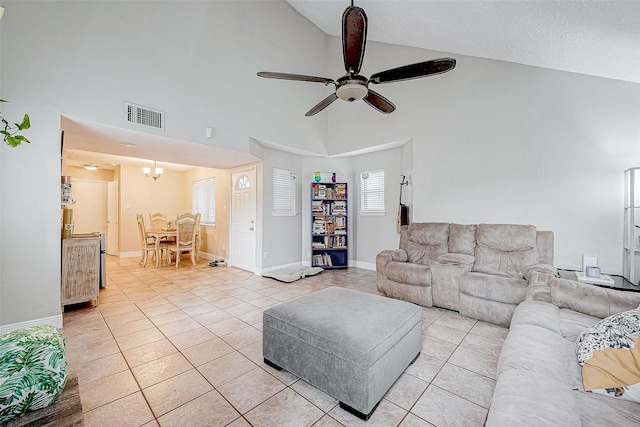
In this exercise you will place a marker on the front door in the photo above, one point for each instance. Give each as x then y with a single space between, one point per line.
243 220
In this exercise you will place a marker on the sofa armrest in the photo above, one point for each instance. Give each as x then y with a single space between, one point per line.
590 299
540 268
538 288
387 256
382 260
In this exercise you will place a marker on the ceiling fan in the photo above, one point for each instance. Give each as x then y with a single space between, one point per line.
353 86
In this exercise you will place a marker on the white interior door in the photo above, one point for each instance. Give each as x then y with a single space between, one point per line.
112 217
90 209
243 220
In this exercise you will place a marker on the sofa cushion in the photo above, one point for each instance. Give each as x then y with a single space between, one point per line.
412 274
462 239
426 241
525 398
505 249
596 411
496 288
609 353
534 348
572 323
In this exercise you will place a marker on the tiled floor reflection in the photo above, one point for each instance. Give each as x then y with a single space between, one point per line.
184 348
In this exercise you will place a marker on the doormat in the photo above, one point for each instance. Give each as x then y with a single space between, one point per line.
293 273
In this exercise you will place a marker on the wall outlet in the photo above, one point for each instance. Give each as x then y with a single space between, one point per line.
266 254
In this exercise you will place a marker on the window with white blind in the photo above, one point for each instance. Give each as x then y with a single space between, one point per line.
372 192
203 200
284 192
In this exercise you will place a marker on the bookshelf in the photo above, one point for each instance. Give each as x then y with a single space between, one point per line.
329 231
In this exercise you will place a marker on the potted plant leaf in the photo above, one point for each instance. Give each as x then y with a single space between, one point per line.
11 132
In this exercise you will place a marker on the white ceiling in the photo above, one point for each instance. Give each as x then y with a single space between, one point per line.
599 38
106 146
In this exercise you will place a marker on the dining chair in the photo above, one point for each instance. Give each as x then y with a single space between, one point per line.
146 244
186 230
158 220
198 237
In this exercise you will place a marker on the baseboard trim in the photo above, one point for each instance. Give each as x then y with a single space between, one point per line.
363 265
306 263
55 321
129 254
138 254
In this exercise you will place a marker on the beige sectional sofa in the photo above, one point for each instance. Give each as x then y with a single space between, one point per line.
481 270
503 273
539 380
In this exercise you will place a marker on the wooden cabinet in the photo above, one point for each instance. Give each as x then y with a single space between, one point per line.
329 232
80 270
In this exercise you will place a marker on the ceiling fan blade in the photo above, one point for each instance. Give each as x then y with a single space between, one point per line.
354 38
379 102
322 105
298 77
414 71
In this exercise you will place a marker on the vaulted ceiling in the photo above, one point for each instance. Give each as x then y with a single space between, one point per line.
599 38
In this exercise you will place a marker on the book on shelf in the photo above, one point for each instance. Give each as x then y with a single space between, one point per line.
339 208
322 259
318 207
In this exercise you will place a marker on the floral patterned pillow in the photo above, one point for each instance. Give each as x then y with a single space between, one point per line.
33 370
609 353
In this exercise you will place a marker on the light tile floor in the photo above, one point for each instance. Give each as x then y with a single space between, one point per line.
184 348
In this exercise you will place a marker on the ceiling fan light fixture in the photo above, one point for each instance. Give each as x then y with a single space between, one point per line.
353 86
352 91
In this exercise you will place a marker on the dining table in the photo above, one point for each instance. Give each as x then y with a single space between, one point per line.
157 234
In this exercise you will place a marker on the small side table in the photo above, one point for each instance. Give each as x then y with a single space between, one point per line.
619 283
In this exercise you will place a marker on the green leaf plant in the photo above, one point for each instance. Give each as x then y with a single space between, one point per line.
11 131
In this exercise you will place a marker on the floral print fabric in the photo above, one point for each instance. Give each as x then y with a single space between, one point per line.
616 331
33 370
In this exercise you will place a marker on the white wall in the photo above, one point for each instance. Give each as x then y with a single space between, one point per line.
374 233
499 142
197 61
491 141
280 234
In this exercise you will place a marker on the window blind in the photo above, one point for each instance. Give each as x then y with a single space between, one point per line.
284 192
372 192
204 200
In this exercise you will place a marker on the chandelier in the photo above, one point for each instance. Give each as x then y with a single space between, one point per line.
157 172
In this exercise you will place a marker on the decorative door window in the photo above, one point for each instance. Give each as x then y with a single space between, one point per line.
243 182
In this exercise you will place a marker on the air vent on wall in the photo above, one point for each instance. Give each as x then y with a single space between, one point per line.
143 116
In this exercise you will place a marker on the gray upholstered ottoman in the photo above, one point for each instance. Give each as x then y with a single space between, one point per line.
349 344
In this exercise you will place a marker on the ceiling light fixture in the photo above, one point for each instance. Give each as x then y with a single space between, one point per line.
91 167
157 172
